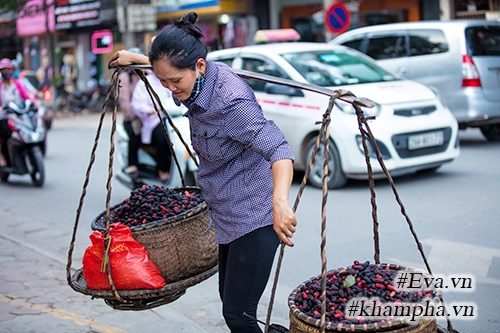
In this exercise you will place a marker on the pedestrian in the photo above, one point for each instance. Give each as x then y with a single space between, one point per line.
131 123
245 164
152 130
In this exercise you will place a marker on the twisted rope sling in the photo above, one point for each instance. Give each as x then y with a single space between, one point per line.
113 89
323 138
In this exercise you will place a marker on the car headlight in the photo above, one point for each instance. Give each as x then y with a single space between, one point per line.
348 108
371 150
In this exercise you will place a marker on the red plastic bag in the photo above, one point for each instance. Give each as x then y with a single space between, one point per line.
131 268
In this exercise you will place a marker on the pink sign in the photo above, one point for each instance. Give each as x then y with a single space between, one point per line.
32 18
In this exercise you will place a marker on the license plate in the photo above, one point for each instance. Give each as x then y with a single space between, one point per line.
425 140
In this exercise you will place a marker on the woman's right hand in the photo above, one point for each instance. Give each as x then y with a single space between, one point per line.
125 57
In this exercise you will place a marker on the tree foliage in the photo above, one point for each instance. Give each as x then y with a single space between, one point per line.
15 6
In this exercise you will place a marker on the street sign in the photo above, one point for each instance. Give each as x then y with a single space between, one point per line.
337 18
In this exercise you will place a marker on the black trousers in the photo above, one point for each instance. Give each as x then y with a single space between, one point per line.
163 155
244 269
5 133
134 143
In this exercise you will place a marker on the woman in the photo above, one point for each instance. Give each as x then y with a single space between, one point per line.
131 123
245 169
11 90
152 131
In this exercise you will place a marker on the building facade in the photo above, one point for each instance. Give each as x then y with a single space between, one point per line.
92 30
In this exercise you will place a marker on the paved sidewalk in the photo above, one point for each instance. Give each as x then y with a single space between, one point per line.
35 297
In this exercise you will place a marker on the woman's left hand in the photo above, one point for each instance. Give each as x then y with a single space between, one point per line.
125 57
284 222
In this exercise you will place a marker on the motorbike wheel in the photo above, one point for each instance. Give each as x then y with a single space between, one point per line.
37 168
62 103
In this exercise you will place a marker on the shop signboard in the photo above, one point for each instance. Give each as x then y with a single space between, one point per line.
32 19
81 14
102 41
179 5
141 17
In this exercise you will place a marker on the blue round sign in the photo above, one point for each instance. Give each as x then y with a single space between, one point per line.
337 18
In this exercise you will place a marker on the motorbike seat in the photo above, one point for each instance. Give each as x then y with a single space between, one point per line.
149 148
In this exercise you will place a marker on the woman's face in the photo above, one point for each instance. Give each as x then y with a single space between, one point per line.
179 81
6 73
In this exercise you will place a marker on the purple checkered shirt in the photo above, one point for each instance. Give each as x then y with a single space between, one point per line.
236 146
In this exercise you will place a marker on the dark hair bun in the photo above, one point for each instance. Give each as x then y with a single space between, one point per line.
190 17
187 22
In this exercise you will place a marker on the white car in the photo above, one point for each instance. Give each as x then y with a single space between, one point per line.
413 129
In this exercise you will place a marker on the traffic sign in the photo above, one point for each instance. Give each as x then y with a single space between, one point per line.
337 18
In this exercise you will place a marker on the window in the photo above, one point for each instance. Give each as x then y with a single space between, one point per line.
259 66
427 41
228 61
483 41
387 47
354 43
335 68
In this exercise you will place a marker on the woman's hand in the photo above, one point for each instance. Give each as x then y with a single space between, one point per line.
284 221
124 58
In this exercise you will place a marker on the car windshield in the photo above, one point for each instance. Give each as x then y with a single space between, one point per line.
334 68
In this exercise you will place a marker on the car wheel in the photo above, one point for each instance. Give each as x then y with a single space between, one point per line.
336 177
491 132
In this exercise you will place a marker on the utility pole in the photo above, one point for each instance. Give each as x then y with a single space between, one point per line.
50 44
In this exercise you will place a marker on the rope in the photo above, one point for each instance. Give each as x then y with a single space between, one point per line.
324 124
366 131
113 89
113 84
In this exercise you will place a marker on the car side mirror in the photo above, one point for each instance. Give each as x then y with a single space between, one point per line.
278 89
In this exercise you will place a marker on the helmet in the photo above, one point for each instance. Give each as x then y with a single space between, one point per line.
136 50
6 63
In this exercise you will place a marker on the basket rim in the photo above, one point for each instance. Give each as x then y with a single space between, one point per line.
79 285
156 224
399 322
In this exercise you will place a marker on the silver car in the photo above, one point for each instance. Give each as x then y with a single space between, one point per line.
412 128
459 58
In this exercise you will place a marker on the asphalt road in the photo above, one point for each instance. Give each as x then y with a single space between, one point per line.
453 211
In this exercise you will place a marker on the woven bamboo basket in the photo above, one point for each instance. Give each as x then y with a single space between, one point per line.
302 323
182 246
141 299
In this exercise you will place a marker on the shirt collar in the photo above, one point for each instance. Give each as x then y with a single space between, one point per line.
203 99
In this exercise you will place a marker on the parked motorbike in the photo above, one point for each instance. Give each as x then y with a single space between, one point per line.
148 174
77 101
26 144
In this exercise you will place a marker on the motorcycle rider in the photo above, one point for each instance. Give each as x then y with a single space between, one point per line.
152 130
131 123
11 90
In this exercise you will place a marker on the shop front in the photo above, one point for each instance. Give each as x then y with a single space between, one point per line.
35 27
308 18
85 32
225 23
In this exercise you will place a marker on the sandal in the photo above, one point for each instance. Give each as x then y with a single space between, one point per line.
132 171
